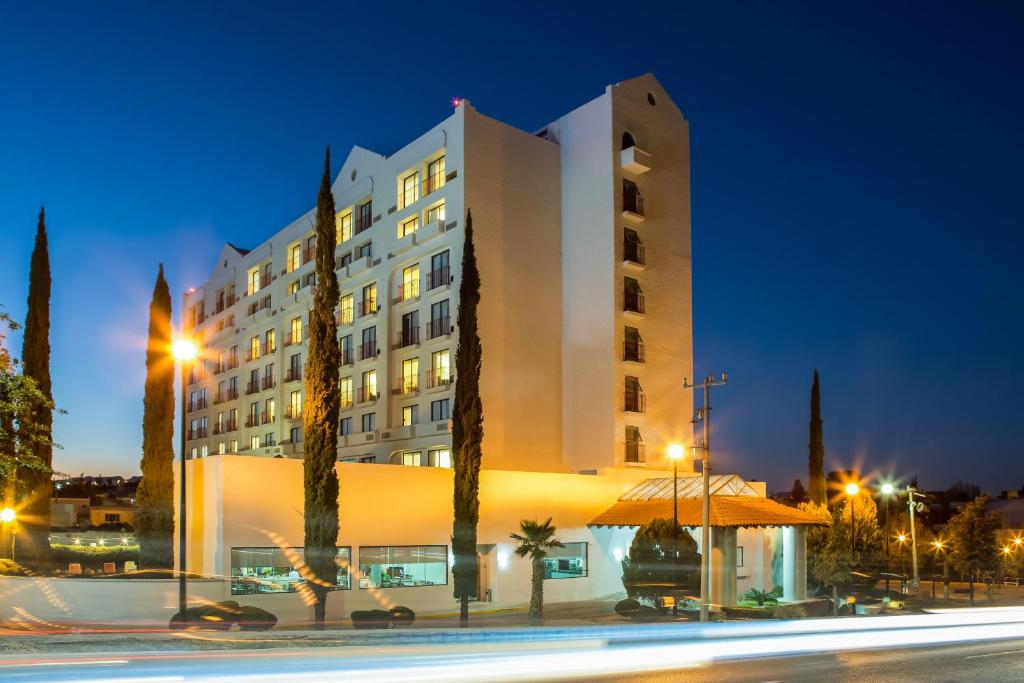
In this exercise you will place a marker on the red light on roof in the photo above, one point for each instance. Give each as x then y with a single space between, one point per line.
456 101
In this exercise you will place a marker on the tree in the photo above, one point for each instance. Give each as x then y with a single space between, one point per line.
320 412
534 542
34 534
828 549
653 567
798 494
154 520
467 432
816 448
974 547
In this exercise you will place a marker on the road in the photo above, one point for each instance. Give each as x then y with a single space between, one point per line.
985 644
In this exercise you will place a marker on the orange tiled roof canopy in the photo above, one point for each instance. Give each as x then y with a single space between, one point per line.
726 511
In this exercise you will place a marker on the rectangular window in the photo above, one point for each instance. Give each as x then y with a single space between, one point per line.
347 350
634 445
294 286
343 226
633 346
739 556
408 190
410 333
269 411
411 458
364 250
271 341
252 281
345 391
410 381
369 388
295 435
345 426
408 226
276 570
294 405
633 296
369 422
440 272
569 562
440 410
410 415
634 394
254 442
439 457
368 305
435 213
295 332
410 285
254 347
435 175
440 322
403 566
440 368
364 216
347 312
294 257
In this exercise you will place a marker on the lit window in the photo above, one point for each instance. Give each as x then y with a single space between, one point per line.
410 375
347 314
204 451
233 446
435 175
403 566
295 333
343 226
294 286
440 368
345 391
370 385
569 562
408 226
295 404
435 213
411 458
271 341
369 303
253 282
294 257
276 570
410 415
254 442
439 457
410 282
408 190
254 347
222 448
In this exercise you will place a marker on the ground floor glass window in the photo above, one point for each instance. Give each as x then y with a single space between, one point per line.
569 562
403 566
276 570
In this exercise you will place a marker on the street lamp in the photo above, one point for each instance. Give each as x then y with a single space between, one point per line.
675 452
7 517
939 547
185 351
852 489
887 490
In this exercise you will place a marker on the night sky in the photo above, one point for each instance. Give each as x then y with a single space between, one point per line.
857 190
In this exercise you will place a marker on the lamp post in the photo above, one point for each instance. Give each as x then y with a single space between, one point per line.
902 540
887 490
939 546
852 489
7 517
675 452
185 351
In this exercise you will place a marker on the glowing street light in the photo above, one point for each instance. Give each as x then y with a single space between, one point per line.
675 452
887 489
852 489
184 349
8 515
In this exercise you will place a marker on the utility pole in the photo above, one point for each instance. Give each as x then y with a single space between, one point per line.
914 505
704 415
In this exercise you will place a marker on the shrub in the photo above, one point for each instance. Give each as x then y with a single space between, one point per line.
402 616
255 619
12 568
790 611
645 614
651 570
761 597
379 618
221 616
627 607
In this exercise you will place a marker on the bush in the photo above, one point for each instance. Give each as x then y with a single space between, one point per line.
627 608
651 570
92 557
790 611
402 616
12 568
222 616
645 614
759 596
371 619
255 619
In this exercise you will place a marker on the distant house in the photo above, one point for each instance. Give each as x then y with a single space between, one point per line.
86 502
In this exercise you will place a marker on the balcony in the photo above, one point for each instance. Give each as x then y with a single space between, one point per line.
291 338
408 337
267 418
252 420
346 400
633 302
407 291
367 394
433 183
636 402
252 387
633 207
292 412
198 404
293 374
634 452
439 327
368 350
268 383
251 355
195 376
438 377
363 222
634 252
345 316
635 160
634 351
198 433
224 396
348 356
367 307
406 385
408 196
308 255
440 277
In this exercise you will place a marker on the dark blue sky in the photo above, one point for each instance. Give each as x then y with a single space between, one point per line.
857 200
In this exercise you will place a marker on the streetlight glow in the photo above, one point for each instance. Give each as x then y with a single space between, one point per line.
902 538
675 452
7 515
852 489
184 349
888 489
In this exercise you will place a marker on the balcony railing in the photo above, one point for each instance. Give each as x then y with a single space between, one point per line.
293 374
634 302
406 385
267 417
268 383
308 255
439 327
407 196
348 356
368 350
198 433
252 354
634 252
252 387
439 277
291 338
636 402
367 394
432 183
292 412
252 420
634 351
408 337
634 452
438 377
195 377
367 307
346 315
226 395
633 203
197 404
346 399
407 290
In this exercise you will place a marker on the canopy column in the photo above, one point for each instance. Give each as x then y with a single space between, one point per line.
794 563
723 566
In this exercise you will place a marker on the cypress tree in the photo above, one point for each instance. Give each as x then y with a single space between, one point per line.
154 520
467 431
320 411
34 536
816 448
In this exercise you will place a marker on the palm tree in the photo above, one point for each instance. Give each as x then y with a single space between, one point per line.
534 542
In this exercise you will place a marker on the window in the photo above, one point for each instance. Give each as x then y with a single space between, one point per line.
294 368
343 226
411 458
112 517
440 368
269 439
345 391
294 257
632 200
195 453
440 273
268 376
222 448
269 411
368 305
569 562
294 286
633 346
369 388
439 457
410 286
440 322
254 442
632 247
403 566
628 140
634 445
254 347
435 213
408 190
295 435
233 446
408 226
410 415
368 348
294 332
635 399
633 296
294 410
364 216
739 556
345 426
271 341
440 410
364 250
276 570
204 451
346 313
347 350
369 422
252 281
435 175
410 380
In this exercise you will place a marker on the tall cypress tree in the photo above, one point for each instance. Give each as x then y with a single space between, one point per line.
467 431
35 356
320 412
154 520
816 448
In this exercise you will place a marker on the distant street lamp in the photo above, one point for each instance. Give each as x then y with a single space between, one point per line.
185 351
939 547
7 518
675 452
852 489
887 490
